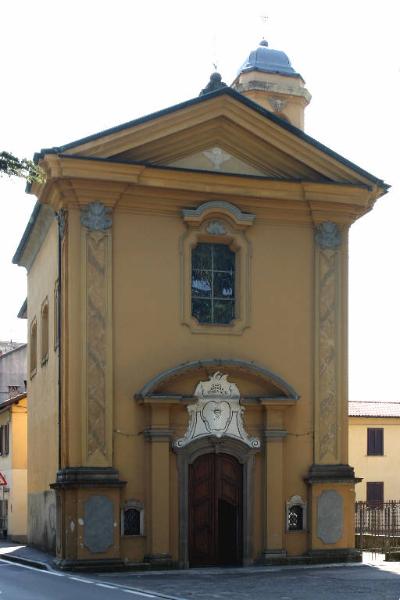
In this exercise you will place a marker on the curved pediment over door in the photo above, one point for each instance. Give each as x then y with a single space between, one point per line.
255 382
216 394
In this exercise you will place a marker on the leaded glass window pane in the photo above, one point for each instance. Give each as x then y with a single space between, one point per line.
213 283
132 521
295 518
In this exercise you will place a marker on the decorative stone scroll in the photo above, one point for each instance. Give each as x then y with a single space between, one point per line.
96 216
216 228
217 412
97 343
328 240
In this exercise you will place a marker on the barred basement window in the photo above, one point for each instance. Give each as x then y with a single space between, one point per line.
132 518
213 283
295 518
296 514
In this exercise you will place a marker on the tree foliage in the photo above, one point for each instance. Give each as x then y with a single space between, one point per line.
12 166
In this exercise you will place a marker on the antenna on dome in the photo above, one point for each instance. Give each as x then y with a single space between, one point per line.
214 52
264 19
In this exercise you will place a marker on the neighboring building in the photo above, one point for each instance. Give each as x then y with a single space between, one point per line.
374 449
13 440
13 468
187 310
12 370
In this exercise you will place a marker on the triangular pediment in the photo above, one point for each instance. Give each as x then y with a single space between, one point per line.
217 160
221 132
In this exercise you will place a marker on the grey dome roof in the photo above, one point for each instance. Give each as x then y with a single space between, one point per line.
268 60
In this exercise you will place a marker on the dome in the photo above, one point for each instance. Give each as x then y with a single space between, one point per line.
269 61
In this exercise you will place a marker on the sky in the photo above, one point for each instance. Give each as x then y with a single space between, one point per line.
73 68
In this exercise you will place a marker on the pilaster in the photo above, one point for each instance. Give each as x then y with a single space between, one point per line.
274 436
327 444
97 374
159 437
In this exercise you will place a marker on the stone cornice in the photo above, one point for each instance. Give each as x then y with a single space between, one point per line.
80 181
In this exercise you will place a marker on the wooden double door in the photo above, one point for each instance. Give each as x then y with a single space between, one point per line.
215 510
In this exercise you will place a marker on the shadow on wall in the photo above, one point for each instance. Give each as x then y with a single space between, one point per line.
42 520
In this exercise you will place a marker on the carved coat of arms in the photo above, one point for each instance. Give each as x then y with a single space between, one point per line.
217 412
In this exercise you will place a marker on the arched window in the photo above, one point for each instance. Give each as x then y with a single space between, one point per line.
213 283
33 348
132 518
44 333
296 514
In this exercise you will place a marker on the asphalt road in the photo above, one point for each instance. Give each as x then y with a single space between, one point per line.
20 582
366 582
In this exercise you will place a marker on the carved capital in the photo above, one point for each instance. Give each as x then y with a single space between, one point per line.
328 235
96 217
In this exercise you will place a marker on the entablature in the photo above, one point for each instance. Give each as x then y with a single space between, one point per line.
76 181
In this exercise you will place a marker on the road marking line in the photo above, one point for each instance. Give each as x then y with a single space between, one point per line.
109 587
138 593
80 579
149 594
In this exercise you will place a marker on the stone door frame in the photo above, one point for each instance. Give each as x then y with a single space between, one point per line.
212 445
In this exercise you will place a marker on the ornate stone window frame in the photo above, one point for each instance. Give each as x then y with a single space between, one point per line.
136 505
217 222
296 501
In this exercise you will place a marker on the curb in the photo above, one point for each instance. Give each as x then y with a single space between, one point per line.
27 562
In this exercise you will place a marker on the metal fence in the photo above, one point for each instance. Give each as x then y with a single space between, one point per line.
377 526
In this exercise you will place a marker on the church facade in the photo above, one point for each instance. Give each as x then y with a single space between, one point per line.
187 310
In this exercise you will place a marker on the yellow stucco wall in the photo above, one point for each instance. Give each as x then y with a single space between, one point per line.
42 387
376 468
14 467
43 395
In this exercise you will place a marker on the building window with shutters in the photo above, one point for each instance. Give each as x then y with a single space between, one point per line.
4 439
375 441
375 496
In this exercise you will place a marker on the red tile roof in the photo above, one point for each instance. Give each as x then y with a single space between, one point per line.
374 409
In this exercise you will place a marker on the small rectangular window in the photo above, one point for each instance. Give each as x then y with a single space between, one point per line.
1 440
375 494
375 441
6 439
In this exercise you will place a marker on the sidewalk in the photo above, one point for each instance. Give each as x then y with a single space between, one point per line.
25 555
41 560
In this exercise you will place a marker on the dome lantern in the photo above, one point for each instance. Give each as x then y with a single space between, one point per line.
267 77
